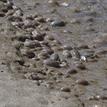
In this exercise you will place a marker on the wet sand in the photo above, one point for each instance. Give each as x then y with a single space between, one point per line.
53 53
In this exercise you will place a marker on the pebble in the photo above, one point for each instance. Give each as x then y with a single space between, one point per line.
67 31
49 19
92 98
2 14
4 1
76 10
67 53
98 105
28 24
9 6
43 55
32 44
52 63
22 38
44 43
65 89
67 47
90 19
56 42
48 50
29 30
15 7
35 77
97 97
20 61
92 13
17 24
48 37
30 54
40 19
28 17
53 2
55 57
83 46
104 97
18 45
38 36
44 28
65 4
81 66
101 52
75 21
18 13
72 71
76 53
35 15
82 82
88 54
4 9
83 58
9 13
58 23
14 18
90 29
63 63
